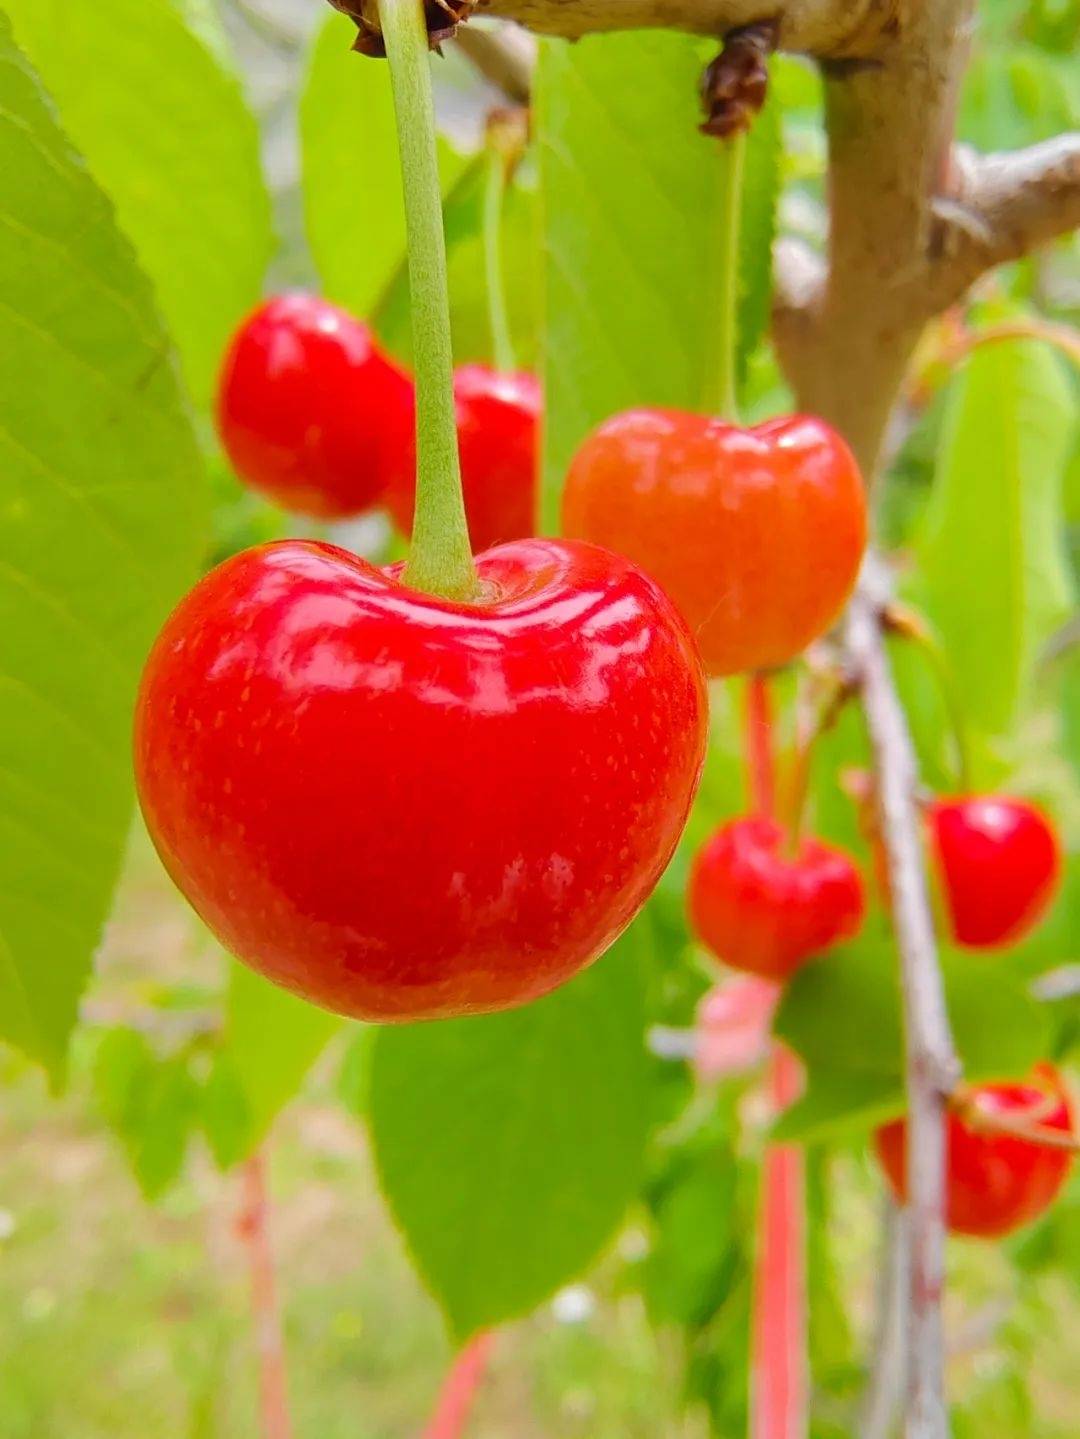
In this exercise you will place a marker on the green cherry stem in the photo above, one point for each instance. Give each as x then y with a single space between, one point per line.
502 346
722 396
440 560
912 627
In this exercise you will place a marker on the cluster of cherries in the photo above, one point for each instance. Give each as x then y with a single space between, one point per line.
403 806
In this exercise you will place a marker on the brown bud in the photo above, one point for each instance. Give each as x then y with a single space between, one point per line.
735 84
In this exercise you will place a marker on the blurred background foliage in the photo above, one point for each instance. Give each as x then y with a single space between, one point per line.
243 149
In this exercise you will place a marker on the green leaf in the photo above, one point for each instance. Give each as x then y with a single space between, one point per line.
271 1040
632 205
508 1147
101 499
469 311
842 1016
352 184
150 1103
997 504
166 132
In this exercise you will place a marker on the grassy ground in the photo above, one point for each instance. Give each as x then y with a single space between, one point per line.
120 1320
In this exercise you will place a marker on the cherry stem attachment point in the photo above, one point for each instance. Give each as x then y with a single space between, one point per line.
722 393
495 178
440 560
760 758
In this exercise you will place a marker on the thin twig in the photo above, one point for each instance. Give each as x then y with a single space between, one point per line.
504 55
253 1231
882 1400
932 1068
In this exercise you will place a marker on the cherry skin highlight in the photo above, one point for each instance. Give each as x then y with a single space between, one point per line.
757 535
764 911
995 1182
310 411
402 807
498 424
1000 861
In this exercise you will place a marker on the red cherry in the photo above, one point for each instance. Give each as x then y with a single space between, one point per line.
756 534
763 911
1001 863
402 807
498 423
996 1182
310 411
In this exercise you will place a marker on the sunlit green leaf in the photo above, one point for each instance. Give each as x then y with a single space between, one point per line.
633 205
352 186
993 574
166 132
508 1147
270 1042
101 503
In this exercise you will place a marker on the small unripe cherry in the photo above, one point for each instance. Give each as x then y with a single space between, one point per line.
764 911
995 1182
1000 864
311 412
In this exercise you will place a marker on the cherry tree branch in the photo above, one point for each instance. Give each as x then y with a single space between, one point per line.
854 29
504 55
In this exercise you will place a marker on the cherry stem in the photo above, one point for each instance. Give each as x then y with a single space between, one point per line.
459 1388
824 717
911 626
722 394
760 761
779 1380
502 346
253 1231
1026 1125
440 560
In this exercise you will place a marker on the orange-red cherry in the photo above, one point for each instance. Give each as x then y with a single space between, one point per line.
995 1182
403 807
310 411
756 534
1000 862
764 911
498 425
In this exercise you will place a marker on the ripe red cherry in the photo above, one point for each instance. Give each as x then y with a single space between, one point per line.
1001 863
498 423
402 807
763 911
996 1182
756 534
310 411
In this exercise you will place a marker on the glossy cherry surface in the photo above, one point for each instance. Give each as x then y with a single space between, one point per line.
310 411
402 807
995 1182
498 423
764 911
756 534
1000 861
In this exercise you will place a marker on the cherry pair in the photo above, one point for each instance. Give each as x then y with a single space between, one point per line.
313 414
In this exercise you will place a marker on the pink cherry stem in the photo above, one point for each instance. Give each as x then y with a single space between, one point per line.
760 761
459 1388
253 1231
778 1365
